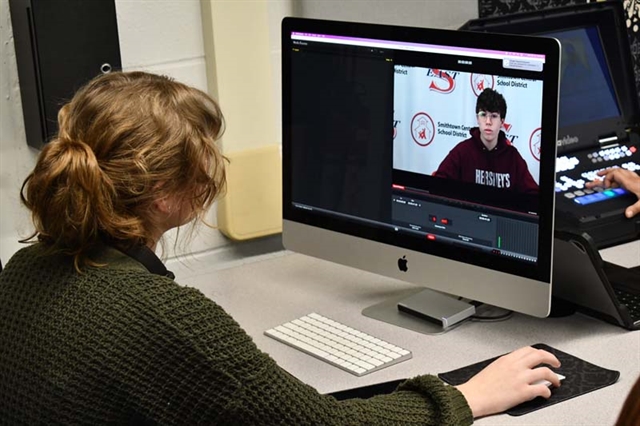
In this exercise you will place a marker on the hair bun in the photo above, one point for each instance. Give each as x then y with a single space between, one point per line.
70 143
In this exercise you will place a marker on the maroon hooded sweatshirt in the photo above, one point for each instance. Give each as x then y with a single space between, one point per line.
502 167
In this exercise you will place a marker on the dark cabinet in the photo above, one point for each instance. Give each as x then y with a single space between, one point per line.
60 45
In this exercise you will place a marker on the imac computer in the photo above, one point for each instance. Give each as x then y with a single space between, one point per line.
374 176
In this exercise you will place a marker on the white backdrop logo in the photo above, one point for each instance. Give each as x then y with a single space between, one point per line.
446 80
479 82
422 129
534 144
511 137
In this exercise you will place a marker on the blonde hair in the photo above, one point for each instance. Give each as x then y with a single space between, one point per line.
124 140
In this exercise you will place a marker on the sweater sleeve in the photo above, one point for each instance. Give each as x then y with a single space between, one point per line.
526 183
450 167
208 370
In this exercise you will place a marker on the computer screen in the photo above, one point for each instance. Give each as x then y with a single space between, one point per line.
399 159
585 78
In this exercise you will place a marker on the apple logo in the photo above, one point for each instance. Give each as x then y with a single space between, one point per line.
402 264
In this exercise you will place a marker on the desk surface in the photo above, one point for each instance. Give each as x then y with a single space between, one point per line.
266 290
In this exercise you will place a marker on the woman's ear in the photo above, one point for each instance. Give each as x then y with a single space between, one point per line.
163 205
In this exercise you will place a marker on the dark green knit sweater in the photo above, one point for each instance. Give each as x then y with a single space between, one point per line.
119 345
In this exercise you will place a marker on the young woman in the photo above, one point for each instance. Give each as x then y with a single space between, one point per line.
95 330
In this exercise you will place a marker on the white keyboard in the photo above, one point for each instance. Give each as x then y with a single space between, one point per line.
342 346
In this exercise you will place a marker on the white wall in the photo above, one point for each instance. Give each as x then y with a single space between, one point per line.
16 158
166 37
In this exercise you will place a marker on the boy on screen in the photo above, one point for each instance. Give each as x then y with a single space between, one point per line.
487 157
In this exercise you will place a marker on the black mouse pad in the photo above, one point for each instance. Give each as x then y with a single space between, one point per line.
366 392
580 377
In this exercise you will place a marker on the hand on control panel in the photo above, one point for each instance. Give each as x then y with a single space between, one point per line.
619 177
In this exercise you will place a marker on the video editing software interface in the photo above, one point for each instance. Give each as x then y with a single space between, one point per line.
385 133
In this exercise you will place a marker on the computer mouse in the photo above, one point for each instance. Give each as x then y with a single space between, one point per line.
546 382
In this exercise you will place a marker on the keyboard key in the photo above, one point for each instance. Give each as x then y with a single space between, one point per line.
631 300
338 344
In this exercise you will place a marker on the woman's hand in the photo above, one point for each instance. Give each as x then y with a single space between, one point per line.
618 177
507 381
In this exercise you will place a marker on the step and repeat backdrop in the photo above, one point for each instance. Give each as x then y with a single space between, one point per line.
434 110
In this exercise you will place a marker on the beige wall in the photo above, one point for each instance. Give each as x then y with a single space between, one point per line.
450 14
